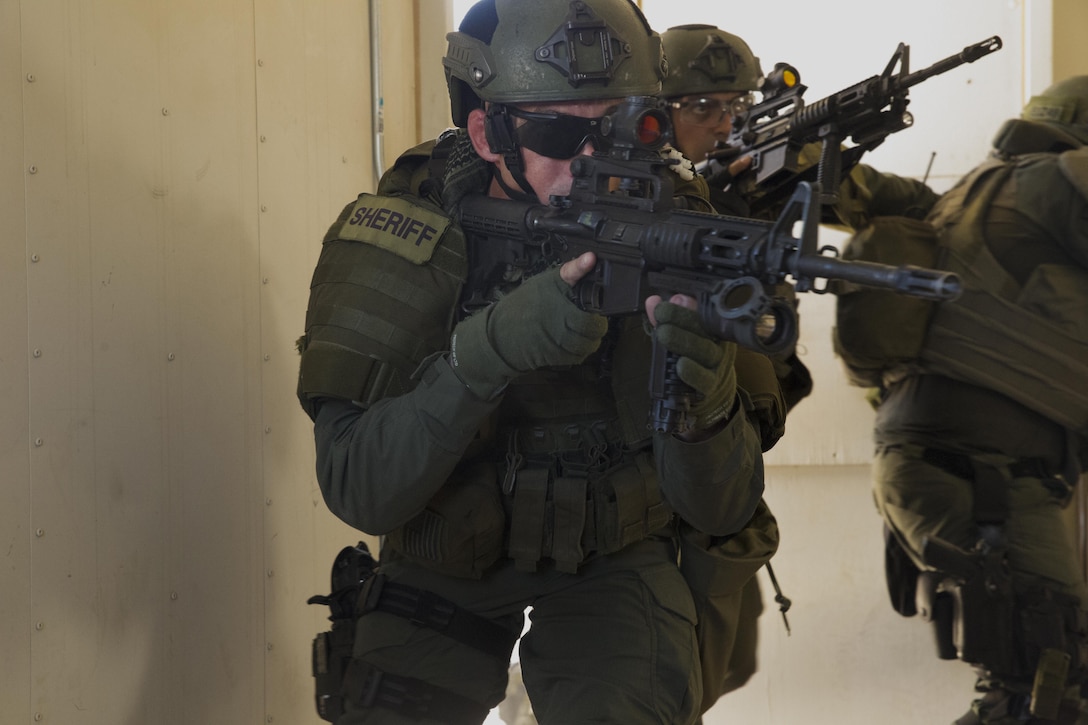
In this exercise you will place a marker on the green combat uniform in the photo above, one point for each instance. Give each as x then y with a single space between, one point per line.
981 430
553 496
548 493
705 60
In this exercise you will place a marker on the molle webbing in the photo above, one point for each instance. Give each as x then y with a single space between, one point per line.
547 397
527 524
578 475
568 518
975 340
374 315
988 337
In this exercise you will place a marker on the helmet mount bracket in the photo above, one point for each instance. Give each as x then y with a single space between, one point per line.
570 49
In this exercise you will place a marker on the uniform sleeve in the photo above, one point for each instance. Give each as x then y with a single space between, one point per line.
1047 204
714 484
379 467
1074 168
391 420
867 193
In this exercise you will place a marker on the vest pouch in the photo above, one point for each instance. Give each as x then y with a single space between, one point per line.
628 505
460 532
714 568
878 329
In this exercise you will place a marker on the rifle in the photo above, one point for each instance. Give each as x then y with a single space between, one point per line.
621 208
774 131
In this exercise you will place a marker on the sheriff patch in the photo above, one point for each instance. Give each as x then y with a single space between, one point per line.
395 224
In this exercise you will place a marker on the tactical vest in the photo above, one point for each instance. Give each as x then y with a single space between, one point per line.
1028 342
877 332
564 469
882 337
383 293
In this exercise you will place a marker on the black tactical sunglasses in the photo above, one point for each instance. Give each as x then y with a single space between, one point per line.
557 135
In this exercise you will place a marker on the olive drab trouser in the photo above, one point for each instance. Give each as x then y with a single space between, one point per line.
922 494
584 658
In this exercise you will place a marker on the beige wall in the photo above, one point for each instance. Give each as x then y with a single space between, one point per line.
168 169
1070 20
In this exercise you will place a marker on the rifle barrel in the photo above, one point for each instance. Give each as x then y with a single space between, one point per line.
921 282
968 55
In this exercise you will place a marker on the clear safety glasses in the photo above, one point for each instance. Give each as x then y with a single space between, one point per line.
711 111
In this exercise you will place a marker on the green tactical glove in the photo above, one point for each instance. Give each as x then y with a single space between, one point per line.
705 364
538 325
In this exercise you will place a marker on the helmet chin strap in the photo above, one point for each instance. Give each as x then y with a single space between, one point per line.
516 194
501 138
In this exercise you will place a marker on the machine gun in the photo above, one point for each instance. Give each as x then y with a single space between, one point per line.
621 208
775 131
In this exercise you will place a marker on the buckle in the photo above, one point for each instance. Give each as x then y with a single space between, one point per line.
431 611
370 593
369 679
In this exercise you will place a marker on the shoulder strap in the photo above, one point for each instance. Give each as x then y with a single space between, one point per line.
1074 166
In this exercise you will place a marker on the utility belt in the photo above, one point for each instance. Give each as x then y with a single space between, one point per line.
986 420
991 474
965 467
991 479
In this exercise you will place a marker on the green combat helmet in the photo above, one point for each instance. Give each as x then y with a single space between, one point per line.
510 52
705 59
1056 120
1064 103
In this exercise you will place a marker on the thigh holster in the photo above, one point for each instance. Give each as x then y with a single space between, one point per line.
359 588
